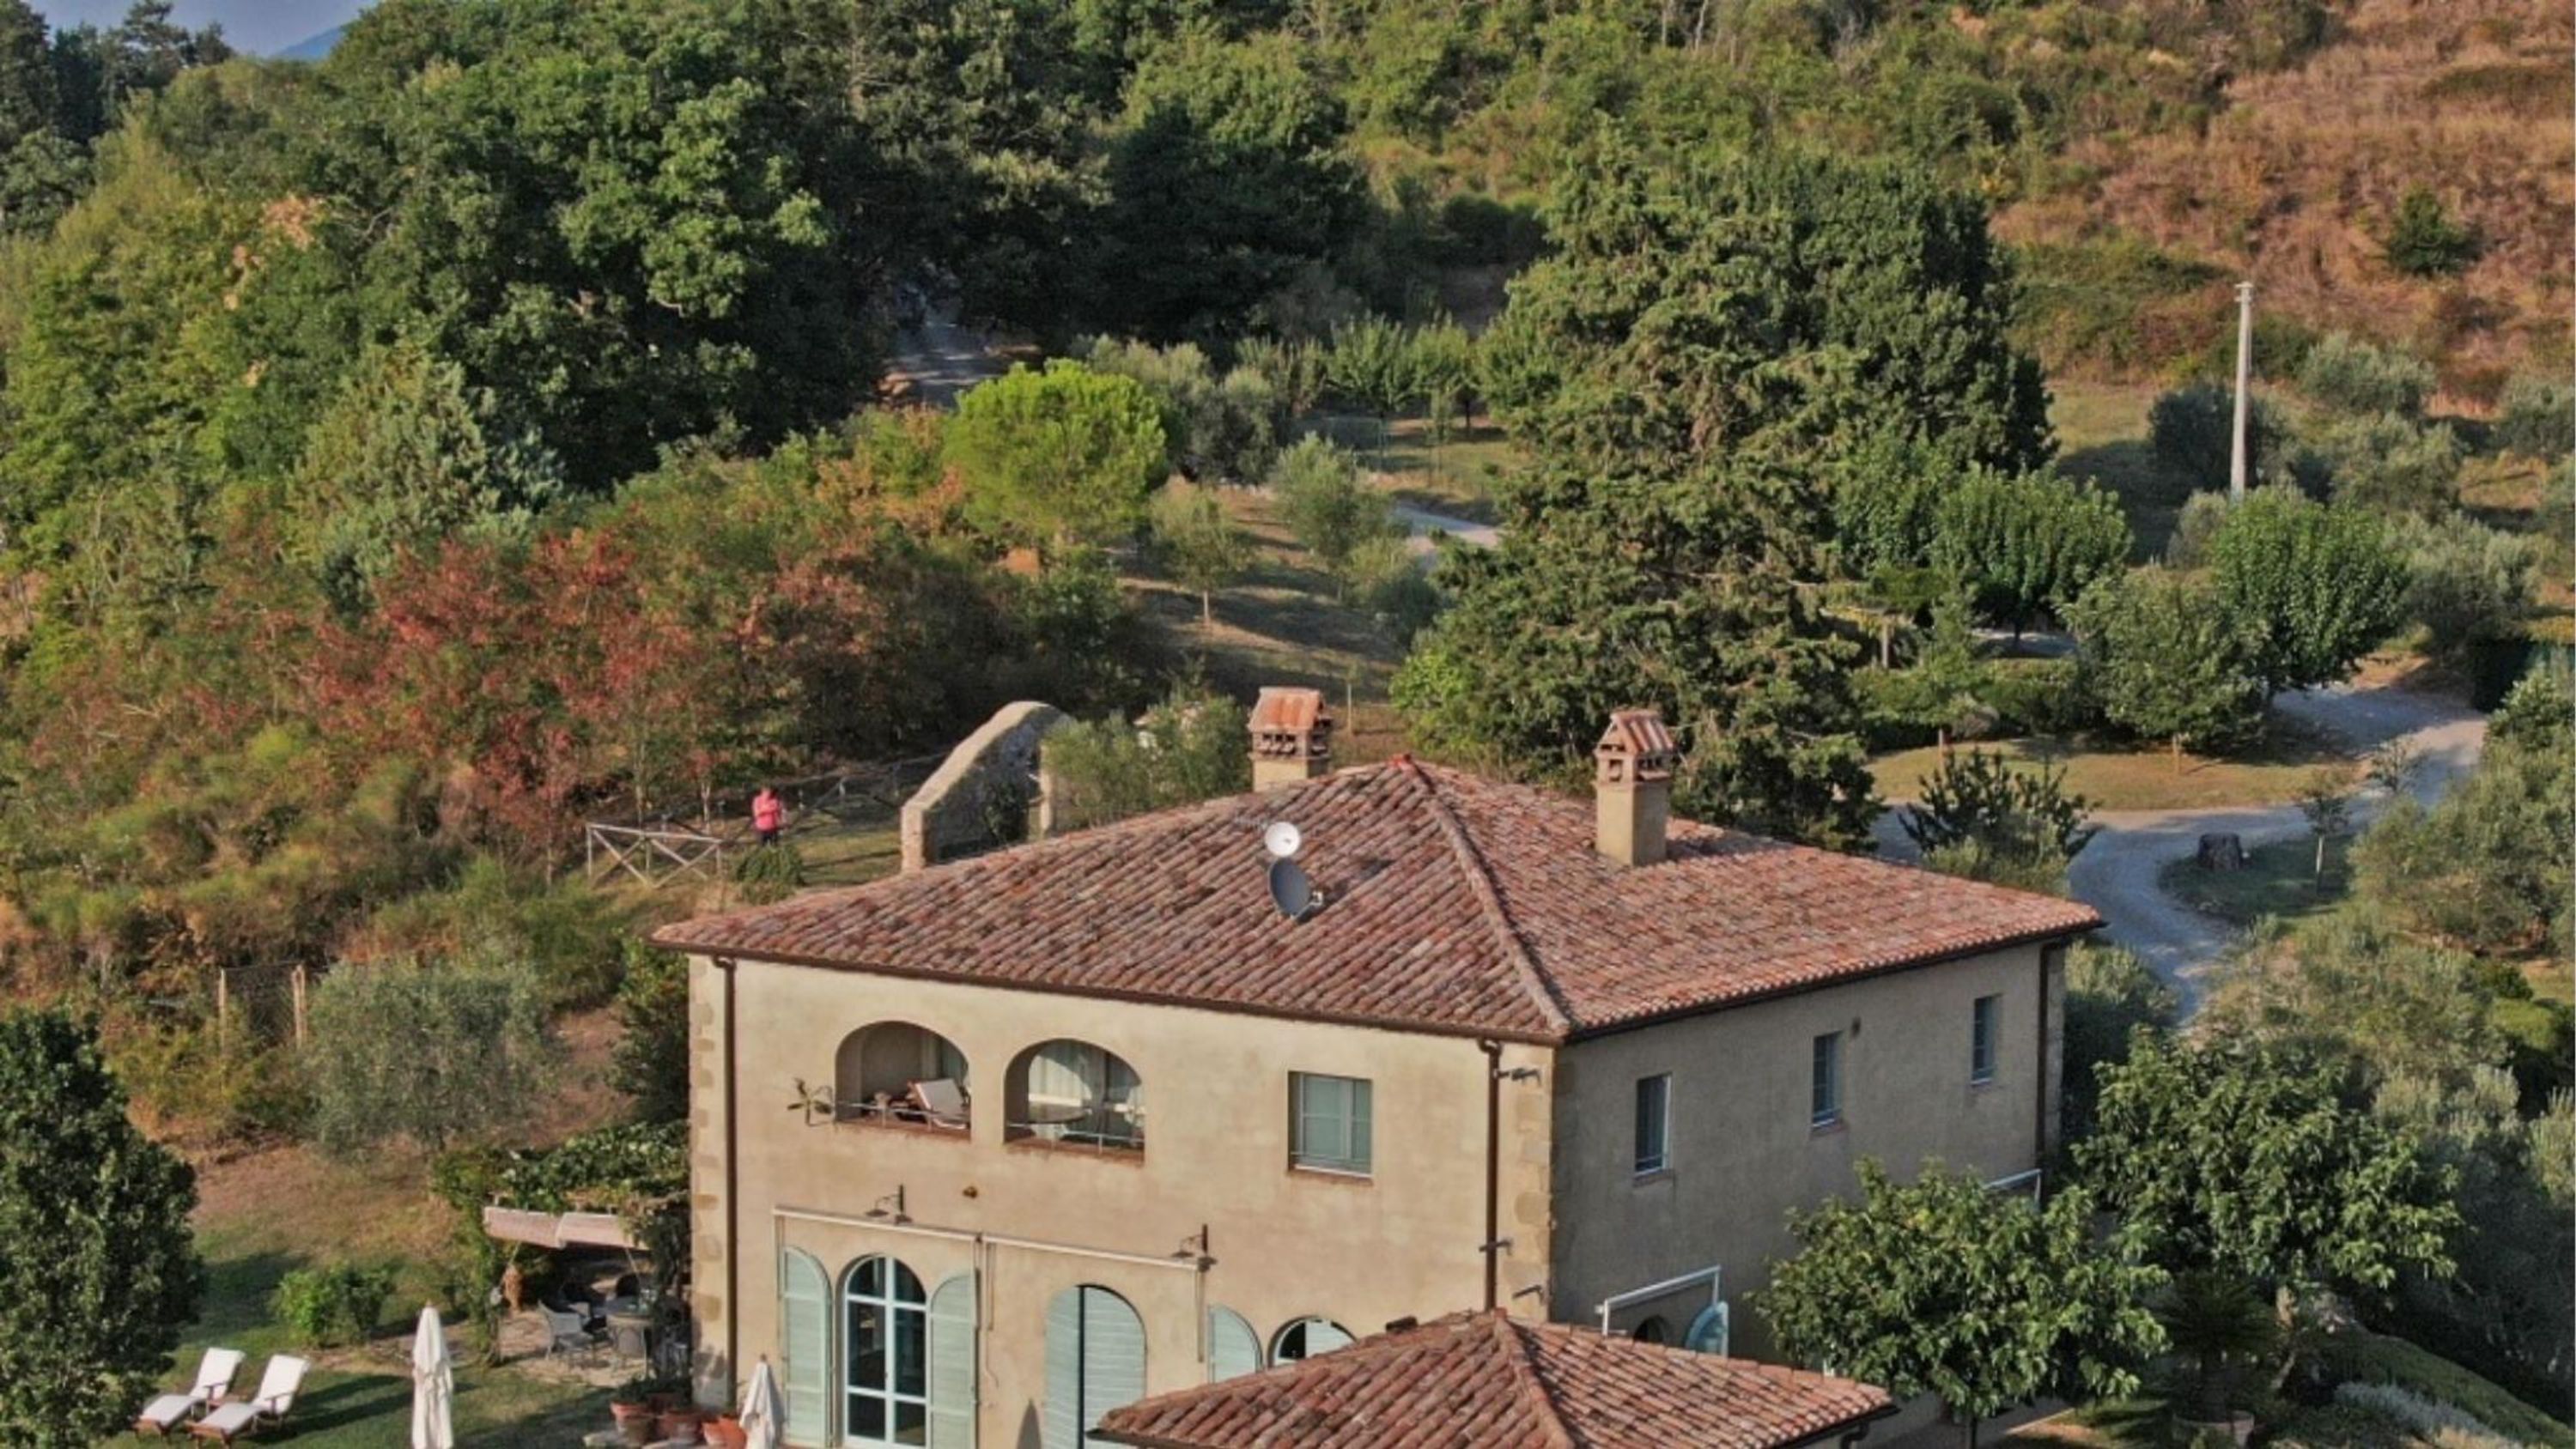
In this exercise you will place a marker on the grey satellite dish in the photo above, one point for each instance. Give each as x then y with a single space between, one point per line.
1290 890
1282 839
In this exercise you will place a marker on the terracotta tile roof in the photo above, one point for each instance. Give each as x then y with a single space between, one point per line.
1451 904
1494 1382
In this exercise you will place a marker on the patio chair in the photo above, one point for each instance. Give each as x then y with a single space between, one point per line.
942 1102
567 1330
215 1373
278 1385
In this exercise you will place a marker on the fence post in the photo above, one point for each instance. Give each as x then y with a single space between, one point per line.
297 982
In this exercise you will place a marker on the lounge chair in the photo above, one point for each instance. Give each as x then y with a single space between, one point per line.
278 1385
215 1374
942 1102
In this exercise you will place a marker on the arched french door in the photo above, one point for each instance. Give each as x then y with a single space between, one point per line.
885 1340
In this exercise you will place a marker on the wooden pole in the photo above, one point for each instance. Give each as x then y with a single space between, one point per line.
295 983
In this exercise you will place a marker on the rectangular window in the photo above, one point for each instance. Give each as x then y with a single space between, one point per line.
1982 1035
1826 1100
1654 1123
1328 1123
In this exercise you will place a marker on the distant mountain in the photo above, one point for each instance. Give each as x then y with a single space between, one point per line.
314 47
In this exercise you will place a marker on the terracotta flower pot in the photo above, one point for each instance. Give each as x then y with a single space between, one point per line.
726 1432
680 1426
634 1422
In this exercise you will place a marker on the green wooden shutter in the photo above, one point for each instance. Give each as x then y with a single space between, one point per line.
1233 1348
1113 1357
804 1339
1060 1416
952 1363
1323 1336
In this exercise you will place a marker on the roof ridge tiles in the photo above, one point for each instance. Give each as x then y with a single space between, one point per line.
1489 899
1518 1355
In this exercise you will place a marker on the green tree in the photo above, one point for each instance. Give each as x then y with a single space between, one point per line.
2192 429
2325 800
2537 418
1372 366
1188 747
432 1053
2391 464
2245 1161
1940 1286
100 1272
27 104
2423 241
1226 176
406 455
1327 504
2168 660
2027 545
2110 996
651 1061
1201 545
1058 457
2344 372
2320 586
1979 801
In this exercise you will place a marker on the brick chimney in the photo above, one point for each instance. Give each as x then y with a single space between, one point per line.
1632 787
1292 736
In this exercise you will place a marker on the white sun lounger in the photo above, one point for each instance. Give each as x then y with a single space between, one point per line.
278 1385
214 1380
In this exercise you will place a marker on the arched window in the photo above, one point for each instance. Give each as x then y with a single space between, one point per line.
1095 1362
1650 1330
1708 1332
1306 1338
1081 1095
1233 1348
885 1389
893 1071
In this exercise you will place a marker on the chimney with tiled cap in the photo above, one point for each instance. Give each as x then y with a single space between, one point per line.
1632 787
1292 736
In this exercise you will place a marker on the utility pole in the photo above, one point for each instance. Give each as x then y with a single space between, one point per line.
2236 463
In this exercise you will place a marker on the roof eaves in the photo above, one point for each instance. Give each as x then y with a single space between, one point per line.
1470 1031
1480 882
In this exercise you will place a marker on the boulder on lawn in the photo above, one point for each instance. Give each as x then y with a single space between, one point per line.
2221 850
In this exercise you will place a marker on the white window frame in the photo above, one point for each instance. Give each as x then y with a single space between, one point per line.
891 1306
1825 1081
1357 1124
1649 1160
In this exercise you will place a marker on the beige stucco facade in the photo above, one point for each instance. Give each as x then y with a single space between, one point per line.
1743 1151
1034 1219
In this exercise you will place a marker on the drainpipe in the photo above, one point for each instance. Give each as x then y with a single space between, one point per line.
733 1187
1493 1051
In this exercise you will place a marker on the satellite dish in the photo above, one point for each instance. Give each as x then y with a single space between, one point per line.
1290 890
1282 838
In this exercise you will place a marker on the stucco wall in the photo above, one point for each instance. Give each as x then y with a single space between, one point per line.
1285 1243
1743 1153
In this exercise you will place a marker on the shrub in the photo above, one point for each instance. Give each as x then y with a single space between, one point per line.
2316 587
2537 417
2423 241
1979 800
1395 588
2169 660
767 873
2466 583
2193 430
1218 429
433 1053
1199 544
1329 507
2039 697
1189 747
568 933
2195 530
2348 374
2110 995
332 1305
1058 457
2392 465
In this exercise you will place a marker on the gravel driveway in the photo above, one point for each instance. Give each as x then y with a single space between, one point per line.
2116 873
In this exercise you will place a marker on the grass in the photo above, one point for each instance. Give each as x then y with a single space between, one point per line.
267 1214
2279 880
2135 778
2102 435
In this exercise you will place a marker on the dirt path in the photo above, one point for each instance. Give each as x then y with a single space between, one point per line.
2117 873
1422 523
941 359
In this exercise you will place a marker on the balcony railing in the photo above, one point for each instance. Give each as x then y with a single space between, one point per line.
1105 1130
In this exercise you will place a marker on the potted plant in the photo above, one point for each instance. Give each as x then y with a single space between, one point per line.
674 1415
631 1405
2216 1324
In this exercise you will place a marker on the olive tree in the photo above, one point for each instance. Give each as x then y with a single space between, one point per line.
433 1052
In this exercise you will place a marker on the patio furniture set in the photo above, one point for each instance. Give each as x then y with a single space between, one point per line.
209 1410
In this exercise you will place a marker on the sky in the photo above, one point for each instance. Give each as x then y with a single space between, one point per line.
258 26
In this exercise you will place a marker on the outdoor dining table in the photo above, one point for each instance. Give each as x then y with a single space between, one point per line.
630 1327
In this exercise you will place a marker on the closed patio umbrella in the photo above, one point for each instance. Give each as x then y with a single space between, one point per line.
761 1424
433 1386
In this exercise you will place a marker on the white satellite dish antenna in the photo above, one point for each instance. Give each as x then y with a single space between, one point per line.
1282 839
1290 890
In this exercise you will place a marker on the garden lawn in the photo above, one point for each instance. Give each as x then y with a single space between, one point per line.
2279 880
266 1215
2131 779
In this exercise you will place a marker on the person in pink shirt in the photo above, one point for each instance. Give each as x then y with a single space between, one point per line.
768 815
